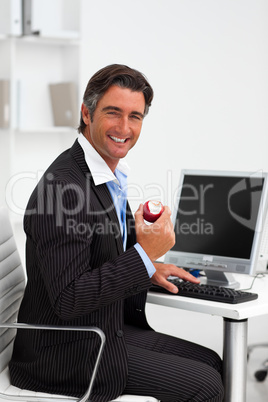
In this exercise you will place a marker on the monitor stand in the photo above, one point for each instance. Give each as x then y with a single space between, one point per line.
219 278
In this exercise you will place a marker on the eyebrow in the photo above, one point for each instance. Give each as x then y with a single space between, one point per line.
118 109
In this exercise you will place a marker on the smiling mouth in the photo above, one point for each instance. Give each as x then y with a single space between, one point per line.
118 140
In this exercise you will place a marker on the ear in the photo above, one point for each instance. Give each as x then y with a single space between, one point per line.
85 114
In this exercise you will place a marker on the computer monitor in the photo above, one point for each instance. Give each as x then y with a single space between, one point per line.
218 220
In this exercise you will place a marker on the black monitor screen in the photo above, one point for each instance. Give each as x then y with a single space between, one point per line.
217 215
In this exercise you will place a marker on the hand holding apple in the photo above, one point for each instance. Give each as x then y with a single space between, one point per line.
158 238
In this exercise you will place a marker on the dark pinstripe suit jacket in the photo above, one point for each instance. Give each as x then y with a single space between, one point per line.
78 274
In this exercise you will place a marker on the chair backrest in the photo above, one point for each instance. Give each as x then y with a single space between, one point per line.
12 285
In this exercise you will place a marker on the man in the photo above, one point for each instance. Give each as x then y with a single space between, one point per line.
89 263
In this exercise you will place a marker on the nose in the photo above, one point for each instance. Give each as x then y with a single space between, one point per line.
125 126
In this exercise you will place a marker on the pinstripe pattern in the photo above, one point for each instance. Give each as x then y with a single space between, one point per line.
79 275
175 370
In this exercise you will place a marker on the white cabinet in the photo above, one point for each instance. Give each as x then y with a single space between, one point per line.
30 64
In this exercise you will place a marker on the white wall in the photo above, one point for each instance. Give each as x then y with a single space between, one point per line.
207 61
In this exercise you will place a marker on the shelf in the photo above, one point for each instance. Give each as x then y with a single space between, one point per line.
49 40
42 130
53 40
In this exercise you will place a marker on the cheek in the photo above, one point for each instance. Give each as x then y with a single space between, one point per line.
135 137
99 131
138 131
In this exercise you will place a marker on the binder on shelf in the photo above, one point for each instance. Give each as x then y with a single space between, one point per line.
11 17
27 17
64 104
4 104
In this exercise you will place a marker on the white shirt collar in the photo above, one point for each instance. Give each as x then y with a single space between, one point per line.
101 173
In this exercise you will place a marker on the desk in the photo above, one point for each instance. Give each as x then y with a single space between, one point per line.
235 318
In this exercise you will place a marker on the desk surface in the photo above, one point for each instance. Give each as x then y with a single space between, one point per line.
234 311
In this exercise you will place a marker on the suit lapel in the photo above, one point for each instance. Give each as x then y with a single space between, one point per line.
106 201
101 191
131 233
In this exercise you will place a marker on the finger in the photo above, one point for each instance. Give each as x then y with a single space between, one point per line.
170 287
190 277
167 209
186 276
166 213
140 209
139 214
181 273
164 220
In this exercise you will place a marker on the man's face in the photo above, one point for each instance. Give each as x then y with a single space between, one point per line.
116 125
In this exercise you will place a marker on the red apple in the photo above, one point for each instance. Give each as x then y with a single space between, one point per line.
152 210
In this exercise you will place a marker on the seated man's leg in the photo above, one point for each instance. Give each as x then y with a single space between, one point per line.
171 369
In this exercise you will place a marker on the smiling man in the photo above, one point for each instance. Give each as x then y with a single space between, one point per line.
89 263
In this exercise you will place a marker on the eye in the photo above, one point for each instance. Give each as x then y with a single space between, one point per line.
135 117
113 114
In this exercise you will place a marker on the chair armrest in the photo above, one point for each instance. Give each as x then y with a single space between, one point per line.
85 397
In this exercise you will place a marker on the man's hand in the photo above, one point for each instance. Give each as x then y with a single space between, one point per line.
155 239
163 271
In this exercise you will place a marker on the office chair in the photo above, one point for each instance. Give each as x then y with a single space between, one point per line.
12 284
260 374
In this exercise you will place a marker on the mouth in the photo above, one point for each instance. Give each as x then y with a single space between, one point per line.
118 140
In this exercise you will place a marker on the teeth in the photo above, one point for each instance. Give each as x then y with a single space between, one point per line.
117 139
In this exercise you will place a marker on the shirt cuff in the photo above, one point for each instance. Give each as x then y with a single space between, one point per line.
146 260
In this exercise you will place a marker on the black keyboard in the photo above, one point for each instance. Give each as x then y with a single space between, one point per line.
207 292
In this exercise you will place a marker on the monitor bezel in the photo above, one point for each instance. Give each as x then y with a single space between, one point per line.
217 263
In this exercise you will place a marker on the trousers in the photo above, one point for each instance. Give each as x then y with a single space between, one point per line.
171 369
